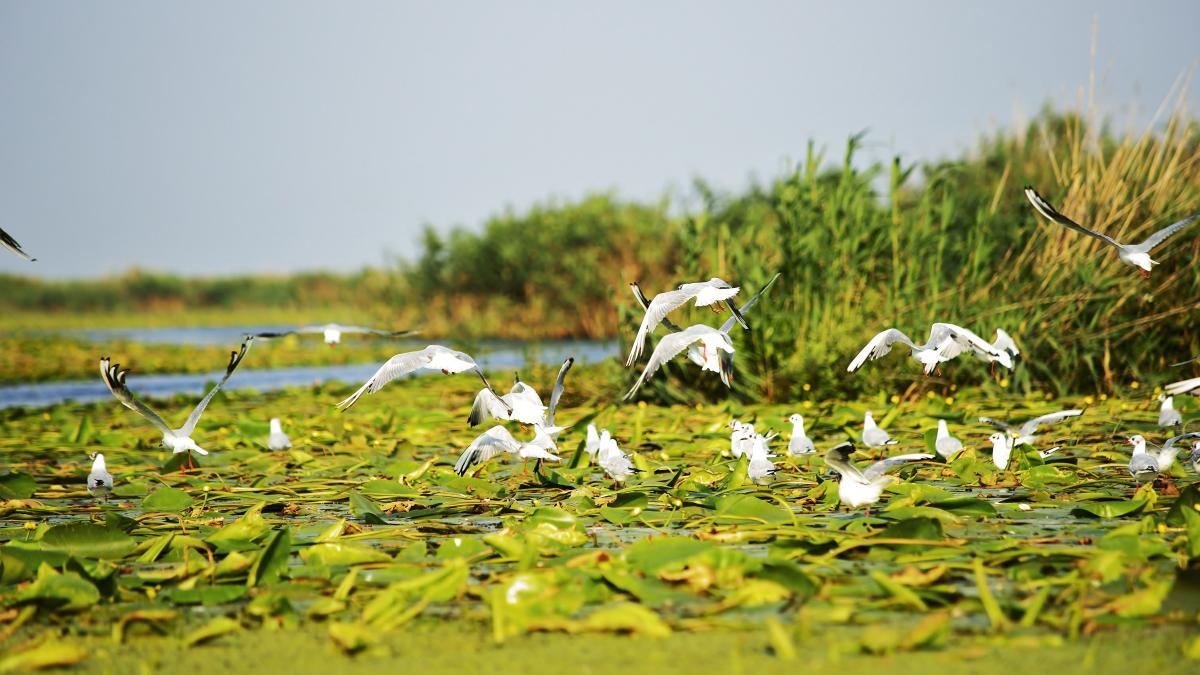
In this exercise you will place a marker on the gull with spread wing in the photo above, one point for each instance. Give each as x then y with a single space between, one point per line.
433 357
694 352
1182 387
927 354
954 340
11 244
1137 255
333 332
1025 433
523 403
704 293
1145 466
499 440
859 487
711 342
176 440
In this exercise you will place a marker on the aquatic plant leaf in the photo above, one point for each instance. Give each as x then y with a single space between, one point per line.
46 653
1109 509
367 510
332 554
222 625
167 500
222 594
88 540
62 591
17 485
272 562
655 555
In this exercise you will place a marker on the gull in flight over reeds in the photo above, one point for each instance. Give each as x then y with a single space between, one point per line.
521 404
874 437
704 293
1145 466
277 440
99 482
799 443
929 355
176 440
499 440
1137 255
1025 433
859 487
1168 416
333 332
1182 387
955 340
711 342
946 445
694 352
11 244
433 357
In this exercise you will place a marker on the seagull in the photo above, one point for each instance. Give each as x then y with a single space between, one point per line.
945 444
1002 447
799 443
1137 255
592 444
615 463
1026 433
278 440
741 440
863 488
1144 466
521 403
1004 342
955 340
760 469
177 440
694 352
1182 387
99 482
333 332
1195 458
705 293
712 341
928 354
1168 416
11 244
498 440
433 357
872 436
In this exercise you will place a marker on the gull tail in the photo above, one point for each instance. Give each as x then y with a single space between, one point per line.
737 314
352 398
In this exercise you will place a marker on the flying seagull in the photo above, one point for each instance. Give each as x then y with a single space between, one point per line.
99 482
177 440
522 400
333 332
278 440
433 357
704 293
694 352
863 488
955 340
498 441
11 244
1137 255
1182 387
928 354
712 341
1025 433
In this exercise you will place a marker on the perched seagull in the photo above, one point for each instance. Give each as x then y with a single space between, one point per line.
1160 461
1195 458
522 400
863 488
1182 387
760 469
615 463
11 244
1168 416
278 440
1026 433
705 293
433 357
498 440
99 482
1137 255
872 436
928 354
742 438
1002 447
333 332
799 443
177 440
592 445
712 342
694 352
945 444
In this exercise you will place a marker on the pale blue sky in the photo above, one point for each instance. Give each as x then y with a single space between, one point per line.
218 137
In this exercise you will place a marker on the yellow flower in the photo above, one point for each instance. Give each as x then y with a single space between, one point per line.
807 387
1134 385
1004 382
641 404
1088 400
808 404
895 399
664 456
1103 397
930 395
949 400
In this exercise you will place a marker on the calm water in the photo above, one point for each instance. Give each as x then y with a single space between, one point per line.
491 355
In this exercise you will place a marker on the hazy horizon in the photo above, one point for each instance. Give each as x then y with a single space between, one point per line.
218 139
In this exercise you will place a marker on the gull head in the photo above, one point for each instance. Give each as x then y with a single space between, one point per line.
1004 359
999 439
795 418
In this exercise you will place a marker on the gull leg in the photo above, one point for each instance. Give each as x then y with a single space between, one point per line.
1144 273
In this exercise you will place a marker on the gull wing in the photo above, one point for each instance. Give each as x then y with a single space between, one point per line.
376 331
668 348
1043 207
878 469
11 244
1172 441
728 325
1005 426
1053 418
557 392
838 459
400 364
1184 363
962 340
658 309
1183 387
641 300
235 359
1004 342
486 405
487 445
114 377
1160 236
879 346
